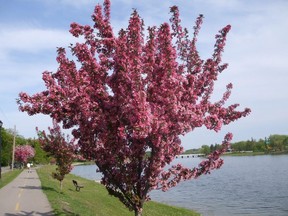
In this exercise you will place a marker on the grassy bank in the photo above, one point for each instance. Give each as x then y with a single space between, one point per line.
94 200
244 154
9 176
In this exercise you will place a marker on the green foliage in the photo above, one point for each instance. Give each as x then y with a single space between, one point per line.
7 147
192 151
41 157
93 199
205 149
278 142
273 144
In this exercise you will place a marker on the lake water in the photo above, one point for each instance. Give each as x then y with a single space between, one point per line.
252 185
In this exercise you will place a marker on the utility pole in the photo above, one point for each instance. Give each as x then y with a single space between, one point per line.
13 151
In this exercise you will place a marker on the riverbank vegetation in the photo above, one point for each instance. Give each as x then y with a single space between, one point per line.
93 199
274 144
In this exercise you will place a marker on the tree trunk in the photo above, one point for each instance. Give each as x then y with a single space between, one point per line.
138 212
61 184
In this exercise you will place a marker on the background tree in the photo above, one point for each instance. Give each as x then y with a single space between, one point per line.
7 145
285 143
23 153
41 156
57 145
205 149
259 146
275 143
127 95
7 142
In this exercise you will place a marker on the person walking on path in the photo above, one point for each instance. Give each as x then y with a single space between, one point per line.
24 196
29 167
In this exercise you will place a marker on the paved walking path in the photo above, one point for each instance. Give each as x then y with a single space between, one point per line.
24 196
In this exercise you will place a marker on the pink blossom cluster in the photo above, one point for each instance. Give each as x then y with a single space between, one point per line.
23 153
133 94
177 173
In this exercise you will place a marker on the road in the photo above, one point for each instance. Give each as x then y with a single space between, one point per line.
24 196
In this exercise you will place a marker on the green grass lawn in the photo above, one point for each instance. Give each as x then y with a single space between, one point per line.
9 176
93 199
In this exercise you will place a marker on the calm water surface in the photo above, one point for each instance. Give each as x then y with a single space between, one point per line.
254 185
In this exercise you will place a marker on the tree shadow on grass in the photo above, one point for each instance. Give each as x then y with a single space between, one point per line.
44 188
65 212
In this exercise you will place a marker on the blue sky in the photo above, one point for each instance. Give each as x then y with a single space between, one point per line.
30 31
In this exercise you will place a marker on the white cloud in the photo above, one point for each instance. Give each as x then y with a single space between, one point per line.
73 3
223 5
77 3
32 40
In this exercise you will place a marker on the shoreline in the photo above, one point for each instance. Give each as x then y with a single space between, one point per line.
255 153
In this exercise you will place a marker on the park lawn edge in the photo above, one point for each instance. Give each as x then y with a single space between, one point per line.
94 199
9 176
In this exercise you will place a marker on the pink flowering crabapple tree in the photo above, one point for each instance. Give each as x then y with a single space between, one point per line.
58 146
23 153
129 94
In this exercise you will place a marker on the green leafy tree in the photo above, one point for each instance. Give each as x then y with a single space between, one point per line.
259 146
277 142
7 142
285 142
205 149
41 157
238 146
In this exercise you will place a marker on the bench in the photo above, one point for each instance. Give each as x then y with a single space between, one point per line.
77 186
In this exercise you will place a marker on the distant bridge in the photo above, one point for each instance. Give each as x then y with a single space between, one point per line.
189 155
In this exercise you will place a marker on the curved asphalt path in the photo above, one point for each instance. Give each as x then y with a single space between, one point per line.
24 196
